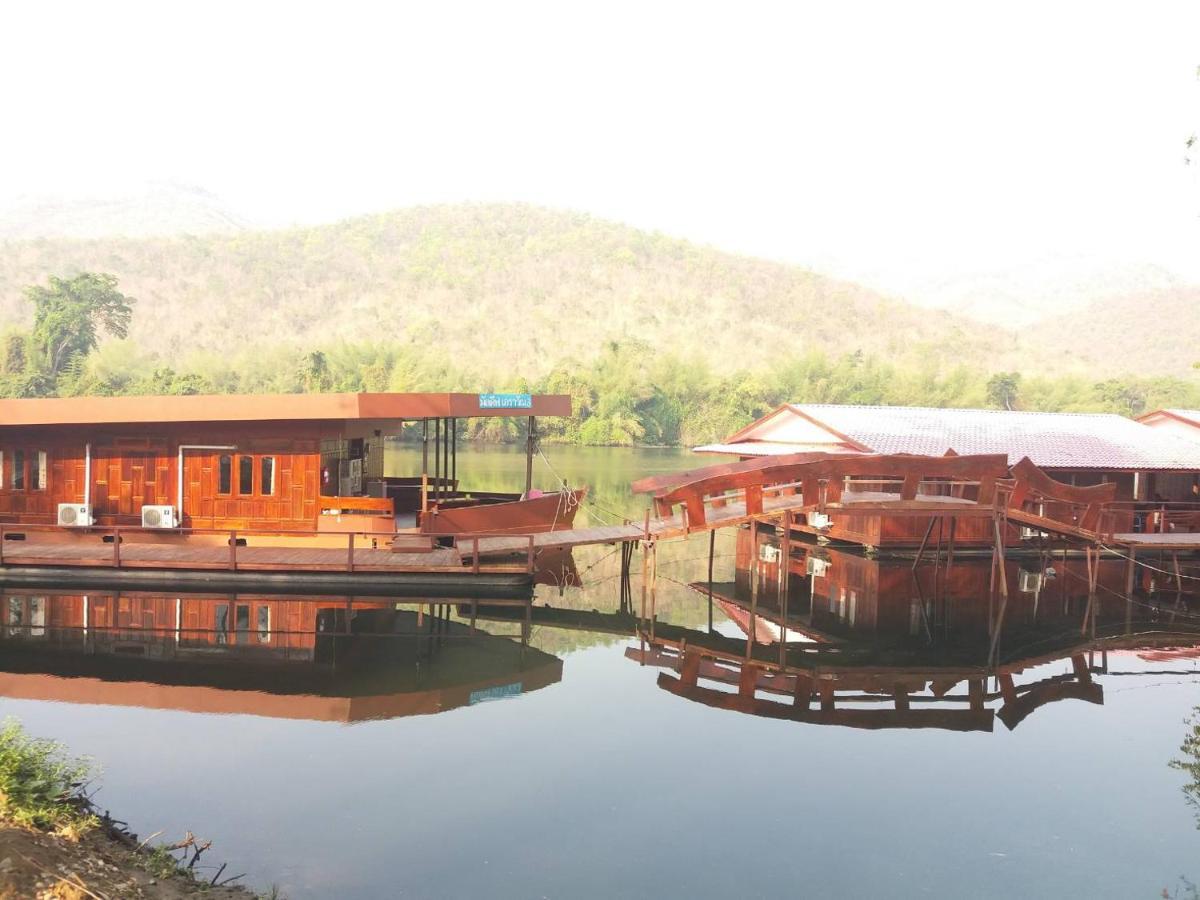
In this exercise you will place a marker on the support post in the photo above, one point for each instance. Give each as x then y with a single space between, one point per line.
712 548
233 551
754 579
530 446
350 552
785 560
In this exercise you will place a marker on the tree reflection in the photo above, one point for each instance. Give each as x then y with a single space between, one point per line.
1189 762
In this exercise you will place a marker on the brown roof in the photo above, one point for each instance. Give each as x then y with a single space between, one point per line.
262 407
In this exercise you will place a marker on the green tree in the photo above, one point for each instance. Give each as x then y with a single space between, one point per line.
1003 389
69 315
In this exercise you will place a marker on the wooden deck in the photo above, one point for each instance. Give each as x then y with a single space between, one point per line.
134 555
1176 540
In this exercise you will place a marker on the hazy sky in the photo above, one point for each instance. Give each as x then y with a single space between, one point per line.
910 140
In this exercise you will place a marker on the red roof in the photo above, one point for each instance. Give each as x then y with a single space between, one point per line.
263 407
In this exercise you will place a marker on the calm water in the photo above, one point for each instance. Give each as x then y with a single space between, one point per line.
364 753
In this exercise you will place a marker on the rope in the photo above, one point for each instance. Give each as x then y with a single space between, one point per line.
588 498
1137 562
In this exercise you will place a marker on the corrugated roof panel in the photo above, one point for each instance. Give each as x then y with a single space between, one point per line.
1051 440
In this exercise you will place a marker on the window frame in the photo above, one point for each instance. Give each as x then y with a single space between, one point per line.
18 472
265 490
246 475
220 475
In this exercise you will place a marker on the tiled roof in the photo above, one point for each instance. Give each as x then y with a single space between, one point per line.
1053 440
1192 415
771 448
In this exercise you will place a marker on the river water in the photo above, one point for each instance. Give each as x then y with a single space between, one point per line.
362 753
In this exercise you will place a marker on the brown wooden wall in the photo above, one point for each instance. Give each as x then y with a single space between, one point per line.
130 470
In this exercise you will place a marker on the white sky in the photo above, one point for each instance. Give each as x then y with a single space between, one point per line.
912 141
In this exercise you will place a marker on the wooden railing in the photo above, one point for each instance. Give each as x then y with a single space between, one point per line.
116 534
472 540
821 483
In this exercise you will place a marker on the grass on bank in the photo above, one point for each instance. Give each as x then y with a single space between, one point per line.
41 785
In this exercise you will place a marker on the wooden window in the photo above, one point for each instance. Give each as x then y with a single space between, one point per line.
264 624
267 476
225 474
221 622
246 475
18 470
241 619
37 471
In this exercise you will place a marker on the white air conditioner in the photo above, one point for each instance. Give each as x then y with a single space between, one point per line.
769 553
74 515
1029 582
816 567
159 517
819 520
1031 534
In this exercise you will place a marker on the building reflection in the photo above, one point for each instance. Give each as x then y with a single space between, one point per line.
337 659
871 642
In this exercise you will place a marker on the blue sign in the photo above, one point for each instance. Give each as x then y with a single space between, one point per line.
497 692
505 401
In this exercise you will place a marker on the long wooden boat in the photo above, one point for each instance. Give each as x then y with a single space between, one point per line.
525 515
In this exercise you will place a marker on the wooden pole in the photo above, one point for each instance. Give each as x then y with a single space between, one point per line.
424 449
712 548
653 586
754 579
785 560
530 444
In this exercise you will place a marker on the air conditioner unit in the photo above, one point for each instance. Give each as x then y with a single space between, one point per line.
819 520
1032 534
1029 582
74 515
159 517
816 567
769 553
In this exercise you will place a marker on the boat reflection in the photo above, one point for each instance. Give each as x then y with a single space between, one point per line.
870 642
329 659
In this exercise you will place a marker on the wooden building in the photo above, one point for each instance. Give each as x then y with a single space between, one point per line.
290 463
1080 449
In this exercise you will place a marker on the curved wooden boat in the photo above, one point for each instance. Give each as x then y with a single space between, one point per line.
529 515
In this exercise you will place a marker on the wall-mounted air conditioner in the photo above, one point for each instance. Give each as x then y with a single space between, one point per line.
74 515
768 553
819 520
159 517
816 567
1029 582
1031 534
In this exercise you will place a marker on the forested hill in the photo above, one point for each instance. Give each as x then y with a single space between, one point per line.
1156 331
501 289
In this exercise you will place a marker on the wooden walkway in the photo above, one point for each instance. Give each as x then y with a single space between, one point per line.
134 555
725 516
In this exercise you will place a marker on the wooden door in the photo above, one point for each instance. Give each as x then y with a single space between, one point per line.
199 488
124 480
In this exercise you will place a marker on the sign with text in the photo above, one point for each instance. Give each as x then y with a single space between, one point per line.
505 401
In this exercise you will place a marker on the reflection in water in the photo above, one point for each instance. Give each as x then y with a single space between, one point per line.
333 659
1189 763
867 642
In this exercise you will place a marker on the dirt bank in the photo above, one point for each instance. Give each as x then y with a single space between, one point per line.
36 864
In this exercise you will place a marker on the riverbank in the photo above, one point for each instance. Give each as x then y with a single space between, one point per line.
55 844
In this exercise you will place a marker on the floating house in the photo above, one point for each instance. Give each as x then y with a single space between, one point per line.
1077 449
1182 422
290 470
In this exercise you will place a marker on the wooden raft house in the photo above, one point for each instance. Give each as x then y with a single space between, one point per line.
288 485
1154 473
